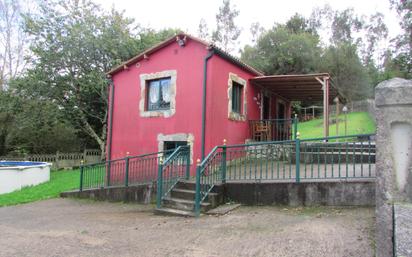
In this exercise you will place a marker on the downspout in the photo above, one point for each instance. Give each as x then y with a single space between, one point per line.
111 103
208 56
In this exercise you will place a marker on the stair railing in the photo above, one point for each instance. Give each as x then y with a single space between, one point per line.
209 172
174 168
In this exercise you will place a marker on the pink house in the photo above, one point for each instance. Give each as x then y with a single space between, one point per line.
186 91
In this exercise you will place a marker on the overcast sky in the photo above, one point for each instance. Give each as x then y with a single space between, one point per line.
186 14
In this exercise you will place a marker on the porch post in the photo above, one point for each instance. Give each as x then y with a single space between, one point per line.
325 87
326 107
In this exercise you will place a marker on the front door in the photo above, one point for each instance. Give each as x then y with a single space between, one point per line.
171 145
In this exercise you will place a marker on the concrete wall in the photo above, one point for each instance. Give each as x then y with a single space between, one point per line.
293 194
15 178
393 100
138 194
361 193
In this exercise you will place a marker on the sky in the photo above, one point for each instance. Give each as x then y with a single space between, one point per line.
186 14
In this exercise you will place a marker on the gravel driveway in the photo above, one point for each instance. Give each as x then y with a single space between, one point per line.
67 227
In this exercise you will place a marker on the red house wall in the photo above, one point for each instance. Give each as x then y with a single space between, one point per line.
219 127
138 135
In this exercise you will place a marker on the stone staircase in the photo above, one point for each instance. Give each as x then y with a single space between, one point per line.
181 199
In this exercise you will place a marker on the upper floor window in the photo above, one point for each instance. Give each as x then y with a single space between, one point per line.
237 96
237 92
158 94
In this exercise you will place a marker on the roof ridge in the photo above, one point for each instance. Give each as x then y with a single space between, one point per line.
172 39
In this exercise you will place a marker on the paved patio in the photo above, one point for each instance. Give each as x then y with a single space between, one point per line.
65 227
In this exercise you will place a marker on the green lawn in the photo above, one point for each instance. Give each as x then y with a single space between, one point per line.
60 181
358 123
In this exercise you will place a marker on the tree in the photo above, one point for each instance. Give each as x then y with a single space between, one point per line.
12 41
376 30
403 42
203 30
74 43
299 24
226 33
349 75
256 30
280 51
8 108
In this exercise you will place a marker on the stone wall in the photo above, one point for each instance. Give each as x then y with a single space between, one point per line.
393 100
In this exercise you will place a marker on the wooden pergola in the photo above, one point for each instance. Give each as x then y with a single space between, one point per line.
306 88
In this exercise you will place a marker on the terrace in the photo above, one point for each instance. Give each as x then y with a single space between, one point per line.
307 89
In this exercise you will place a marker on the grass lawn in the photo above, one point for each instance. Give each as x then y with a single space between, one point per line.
358 123
59 181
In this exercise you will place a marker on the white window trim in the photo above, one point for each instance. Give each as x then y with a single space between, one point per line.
189 138
143 95
231 114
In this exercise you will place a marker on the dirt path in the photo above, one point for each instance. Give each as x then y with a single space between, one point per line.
64 227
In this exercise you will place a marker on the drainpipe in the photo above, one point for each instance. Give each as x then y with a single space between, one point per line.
111 100
208 56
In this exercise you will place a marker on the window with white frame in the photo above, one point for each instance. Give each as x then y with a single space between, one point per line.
158 94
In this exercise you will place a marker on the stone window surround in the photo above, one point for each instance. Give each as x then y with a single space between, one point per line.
231 114
189 138
143 94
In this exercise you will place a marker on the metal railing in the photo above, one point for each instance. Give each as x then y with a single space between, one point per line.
131 170
273 129
339 157
171 171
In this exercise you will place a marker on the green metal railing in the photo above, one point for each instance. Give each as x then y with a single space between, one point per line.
131 170
175 168
339 157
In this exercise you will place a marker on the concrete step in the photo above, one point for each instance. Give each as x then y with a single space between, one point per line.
174 212
185 205
213 198
191 185
183 193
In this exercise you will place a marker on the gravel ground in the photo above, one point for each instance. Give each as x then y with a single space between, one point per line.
67 227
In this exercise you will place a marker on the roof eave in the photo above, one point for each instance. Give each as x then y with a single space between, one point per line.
170 40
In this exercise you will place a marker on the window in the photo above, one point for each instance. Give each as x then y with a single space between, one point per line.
237 97
158 94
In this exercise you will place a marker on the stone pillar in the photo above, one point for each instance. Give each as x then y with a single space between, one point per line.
393 99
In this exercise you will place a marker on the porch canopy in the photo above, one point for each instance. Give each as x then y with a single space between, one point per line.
306 88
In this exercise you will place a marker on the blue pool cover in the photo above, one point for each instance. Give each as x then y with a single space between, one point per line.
10 163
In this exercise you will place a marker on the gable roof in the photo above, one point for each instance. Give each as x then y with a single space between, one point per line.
228 57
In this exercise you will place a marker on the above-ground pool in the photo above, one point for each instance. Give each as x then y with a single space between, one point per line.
16 175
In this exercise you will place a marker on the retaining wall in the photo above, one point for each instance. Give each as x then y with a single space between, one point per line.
353 193
144 194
